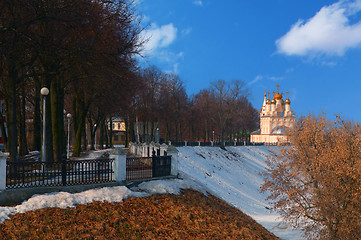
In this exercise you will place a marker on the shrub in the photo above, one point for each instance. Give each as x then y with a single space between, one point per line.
315 183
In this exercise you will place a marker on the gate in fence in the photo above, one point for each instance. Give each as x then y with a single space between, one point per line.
148 167
38 174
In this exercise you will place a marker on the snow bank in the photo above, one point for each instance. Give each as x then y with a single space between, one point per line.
166 186
233 176
109 194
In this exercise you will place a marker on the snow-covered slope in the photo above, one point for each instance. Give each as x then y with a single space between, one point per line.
233 176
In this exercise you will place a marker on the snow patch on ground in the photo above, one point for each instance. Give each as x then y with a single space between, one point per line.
173 186
109 194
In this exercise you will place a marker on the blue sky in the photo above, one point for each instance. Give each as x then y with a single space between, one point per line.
312 48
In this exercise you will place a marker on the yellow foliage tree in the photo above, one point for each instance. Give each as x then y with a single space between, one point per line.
315 183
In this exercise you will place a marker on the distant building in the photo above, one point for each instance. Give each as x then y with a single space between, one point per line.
118 127
275 118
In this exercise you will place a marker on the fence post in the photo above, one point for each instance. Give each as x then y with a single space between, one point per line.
119 164
63 171
174 160
2 171
163 148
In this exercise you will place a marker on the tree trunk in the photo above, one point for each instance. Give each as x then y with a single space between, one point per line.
57 119
23 145
106 134
91 130
11 120
111 132
101 139
37 119
3 131
152 130
80 112
48 131
84 142
127 131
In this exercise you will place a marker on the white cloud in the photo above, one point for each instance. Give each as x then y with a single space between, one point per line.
186 31
159 37
274 78
256 79
199 3
329 32
176 68
259 78
169 56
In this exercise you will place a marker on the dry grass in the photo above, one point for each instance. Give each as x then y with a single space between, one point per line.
190 215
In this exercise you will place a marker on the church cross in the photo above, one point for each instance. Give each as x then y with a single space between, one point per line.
278 87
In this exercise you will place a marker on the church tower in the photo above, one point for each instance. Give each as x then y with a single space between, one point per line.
276 117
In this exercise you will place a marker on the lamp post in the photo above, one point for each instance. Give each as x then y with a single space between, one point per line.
213 135
44 91
69 117
157 136
95 147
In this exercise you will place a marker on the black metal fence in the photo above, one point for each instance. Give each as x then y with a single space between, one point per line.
38 174
29 173
148 167
139 168
161 166
208 144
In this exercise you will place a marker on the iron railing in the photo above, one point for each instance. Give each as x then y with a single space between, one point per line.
208 144
38 174
161 166
148 167
139 168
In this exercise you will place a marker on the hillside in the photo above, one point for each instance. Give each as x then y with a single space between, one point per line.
233 175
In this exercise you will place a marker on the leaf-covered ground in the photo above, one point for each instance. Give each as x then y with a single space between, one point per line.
190 215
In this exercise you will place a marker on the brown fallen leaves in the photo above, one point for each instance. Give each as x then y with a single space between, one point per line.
190 215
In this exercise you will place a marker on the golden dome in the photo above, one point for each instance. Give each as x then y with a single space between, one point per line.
273 101
287 101
277 96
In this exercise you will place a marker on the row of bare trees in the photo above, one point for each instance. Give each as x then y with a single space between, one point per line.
82 51
163 103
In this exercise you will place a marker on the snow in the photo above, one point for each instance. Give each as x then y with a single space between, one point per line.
173 186
231 175
109 194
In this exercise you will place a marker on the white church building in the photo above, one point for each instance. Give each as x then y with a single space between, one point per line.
275 117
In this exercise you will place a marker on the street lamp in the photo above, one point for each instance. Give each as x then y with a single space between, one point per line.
95 147
213 135
69 117
44 91
157 136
